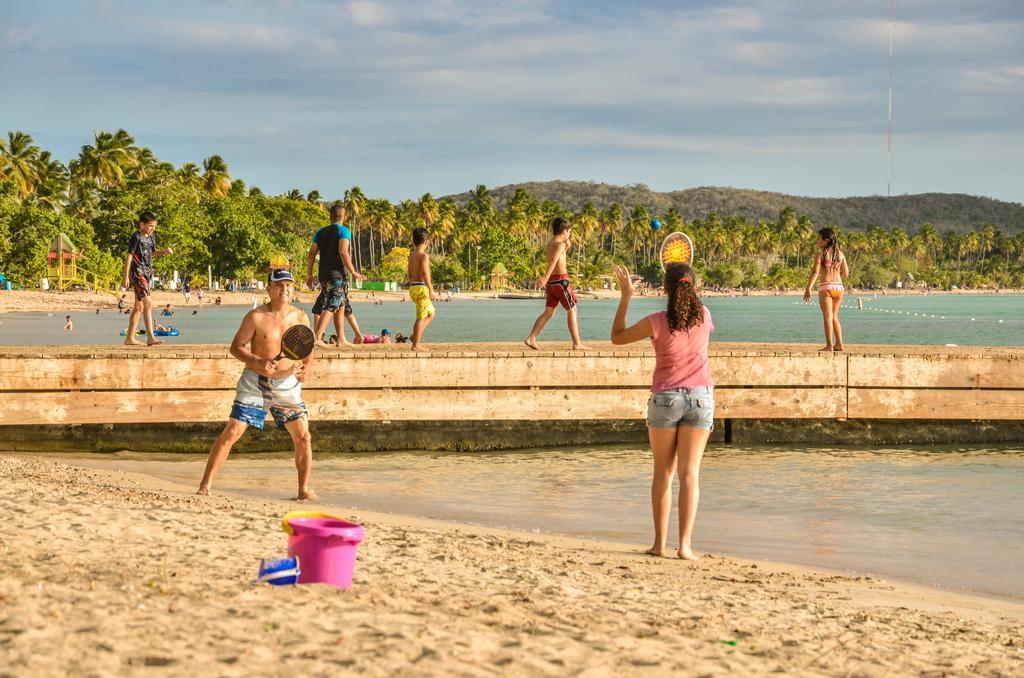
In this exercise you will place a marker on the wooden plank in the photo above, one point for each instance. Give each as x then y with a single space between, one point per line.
36 374
780 403
883 403
379 371
936 371
787 370
99 407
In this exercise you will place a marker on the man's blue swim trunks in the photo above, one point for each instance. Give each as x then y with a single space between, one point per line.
256 395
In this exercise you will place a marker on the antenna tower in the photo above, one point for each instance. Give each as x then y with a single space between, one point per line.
888 158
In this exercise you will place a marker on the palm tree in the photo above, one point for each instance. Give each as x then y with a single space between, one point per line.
639 219
857 244
105 162
380 214
932 241
146 164
898 240
18 159
313 196
588 221
444 225
427 209
52 187
216 180
355 205
294 194
189 175
986 238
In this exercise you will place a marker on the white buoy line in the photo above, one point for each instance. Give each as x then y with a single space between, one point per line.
895 311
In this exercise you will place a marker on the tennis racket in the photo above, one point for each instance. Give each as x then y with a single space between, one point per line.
676 248
297 343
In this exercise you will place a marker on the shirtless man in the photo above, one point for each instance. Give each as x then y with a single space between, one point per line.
267 383
421 291
556 284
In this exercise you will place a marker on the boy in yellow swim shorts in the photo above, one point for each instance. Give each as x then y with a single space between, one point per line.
421 291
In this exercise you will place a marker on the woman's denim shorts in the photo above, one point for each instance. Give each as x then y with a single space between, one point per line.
682 407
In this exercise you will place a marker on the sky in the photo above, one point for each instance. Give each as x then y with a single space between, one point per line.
407 97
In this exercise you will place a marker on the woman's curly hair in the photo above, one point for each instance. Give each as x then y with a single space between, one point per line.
685 310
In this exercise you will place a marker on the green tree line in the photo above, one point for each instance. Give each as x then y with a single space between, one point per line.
213 219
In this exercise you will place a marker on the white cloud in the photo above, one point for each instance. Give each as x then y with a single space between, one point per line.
604 137
369 13
996 79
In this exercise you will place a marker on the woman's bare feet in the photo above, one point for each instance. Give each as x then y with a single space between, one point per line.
658 551
130 341
686 553
827 348
421 347
203 490
154 342
532 343
307 495
580 347
838 347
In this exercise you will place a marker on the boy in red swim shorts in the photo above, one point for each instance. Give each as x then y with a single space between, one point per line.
557 288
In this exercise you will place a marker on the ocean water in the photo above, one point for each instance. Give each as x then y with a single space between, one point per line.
949 517
983 320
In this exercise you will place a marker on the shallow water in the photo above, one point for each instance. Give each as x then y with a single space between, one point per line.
947 517
985 320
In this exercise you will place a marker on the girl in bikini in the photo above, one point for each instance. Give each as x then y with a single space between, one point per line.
830 262
681 409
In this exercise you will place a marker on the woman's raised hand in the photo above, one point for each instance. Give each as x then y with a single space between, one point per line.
625 282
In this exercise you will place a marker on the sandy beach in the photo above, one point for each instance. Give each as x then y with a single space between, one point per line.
113 573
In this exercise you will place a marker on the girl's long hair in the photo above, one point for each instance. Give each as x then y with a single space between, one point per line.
685 310
830 253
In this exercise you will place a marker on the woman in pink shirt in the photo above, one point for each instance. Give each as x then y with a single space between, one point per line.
681 409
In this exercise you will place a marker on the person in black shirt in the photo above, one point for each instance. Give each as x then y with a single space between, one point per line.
138 274
332 243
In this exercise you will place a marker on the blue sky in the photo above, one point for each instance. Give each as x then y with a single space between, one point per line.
403 98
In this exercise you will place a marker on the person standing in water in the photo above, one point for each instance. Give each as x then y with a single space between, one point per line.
830 262
681 409
138 273
558 290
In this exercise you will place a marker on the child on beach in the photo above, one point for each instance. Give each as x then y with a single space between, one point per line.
332 243
268 383
557 287
68 325
421 291
681 409
831 263
138 273
383 338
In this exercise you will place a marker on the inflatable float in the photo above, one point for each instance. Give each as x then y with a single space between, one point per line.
171 332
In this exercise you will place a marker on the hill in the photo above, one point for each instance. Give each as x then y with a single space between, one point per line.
946 211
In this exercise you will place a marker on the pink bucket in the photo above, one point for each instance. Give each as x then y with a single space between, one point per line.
326 548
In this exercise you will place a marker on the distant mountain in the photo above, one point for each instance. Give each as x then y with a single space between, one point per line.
945 211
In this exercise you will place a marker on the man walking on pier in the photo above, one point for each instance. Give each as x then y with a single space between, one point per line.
333 244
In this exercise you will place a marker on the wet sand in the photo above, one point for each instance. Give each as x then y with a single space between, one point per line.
107 572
